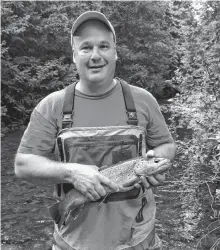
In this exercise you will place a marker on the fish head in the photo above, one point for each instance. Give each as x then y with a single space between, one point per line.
155 165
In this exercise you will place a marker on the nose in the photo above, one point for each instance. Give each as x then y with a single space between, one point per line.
95 55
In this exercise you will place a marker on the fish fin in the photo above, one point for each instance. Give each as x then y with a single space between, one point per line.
55 212
66 215
76 212
131 182
103 200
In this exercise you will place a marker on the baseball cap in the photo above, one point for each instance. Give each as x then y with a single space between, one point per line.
89 15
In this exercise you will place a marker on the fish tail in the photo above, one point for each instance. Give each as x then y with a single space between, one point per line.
55 212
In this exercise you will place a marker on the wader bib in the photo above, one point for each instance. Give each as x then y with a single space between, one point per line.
126 219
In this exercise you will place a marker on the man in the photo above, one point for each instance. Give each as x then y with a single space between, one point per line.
98 103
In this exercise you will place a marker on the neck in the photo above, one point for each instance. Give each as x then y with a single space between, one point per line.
91 88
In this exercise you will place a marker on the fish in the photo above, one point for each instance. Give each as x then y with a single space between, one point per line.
125 173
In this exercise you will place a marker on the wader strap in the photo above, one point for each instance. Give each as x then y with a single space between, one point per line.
129 103
67 122
68 112
68 106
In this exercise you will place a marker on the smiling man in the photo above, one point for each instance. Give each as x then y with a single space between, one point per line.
94 54
99 120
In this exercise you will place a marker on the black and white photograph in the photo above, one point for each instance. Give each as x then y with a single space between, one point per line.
110 125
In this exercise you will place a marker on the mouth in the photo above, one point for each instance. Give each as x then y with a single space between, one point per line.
96 66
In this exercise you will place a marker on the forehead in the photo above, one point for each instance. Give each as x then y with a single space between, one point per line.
93 29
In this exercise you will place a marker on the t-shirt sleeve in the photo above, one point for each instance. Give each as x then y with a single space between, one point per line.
157 130
40 135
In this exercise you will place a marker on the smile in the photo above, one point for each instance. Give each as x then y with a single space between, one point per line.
96 66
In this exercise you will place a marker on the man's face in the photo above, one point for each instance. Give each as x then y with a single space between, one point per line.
94 52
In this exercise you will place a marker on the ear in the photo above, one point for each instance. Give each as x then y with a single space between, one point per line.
116 55
74 60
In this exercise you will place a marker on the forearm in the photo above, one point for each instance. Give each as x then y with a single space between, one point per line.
85 178
166 150
40 170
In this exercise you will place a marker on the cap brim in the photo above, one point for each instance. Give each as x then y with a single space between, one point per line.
88 16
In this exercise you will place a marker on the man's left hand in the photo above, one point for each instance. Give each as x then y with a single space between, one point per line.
153 180
148 182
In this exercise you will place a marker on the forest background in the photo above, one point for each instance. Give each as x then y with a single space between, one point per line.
170 48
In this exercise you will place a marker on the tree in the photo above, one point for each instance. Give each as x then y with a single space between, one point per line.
197 109
37 56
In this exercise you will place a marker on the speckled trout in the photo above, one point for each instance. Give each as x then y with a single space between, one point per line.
125 173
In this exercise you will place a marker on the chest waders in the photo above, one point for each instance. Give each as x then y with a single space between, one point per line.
126 219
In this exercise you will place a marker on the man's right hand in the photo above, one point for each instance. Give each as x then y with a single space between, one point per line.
86 178
89 181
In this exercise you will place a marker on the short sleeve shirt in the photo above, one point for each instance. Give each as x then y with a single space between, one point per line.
107 109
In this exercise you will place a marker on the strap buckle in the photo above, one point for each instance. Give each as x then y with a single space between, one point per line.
132 118
67 120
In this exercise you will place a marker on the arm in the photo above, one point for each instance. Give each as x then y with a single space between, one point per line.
40 170
159 140
39 140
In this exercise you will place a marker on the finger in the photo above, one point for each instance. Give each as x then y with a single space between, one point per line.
90 197
126 189
100 190
113 186
94 195
91 192
144 182
150 154
94 167
137 185
160 177
152 181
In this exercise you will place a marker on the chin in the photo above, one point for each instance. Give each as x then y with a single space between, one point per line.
96 79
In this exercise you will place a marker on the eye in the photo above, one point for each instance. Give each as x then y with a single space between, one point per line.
104 46
86 48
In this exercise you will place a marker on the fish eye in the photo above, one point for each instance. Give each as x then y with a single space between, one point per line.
156 160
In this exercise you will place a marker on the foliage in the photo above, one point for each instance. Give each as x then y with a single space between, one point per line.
33 58
37 57
145 48
159 44
196 110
